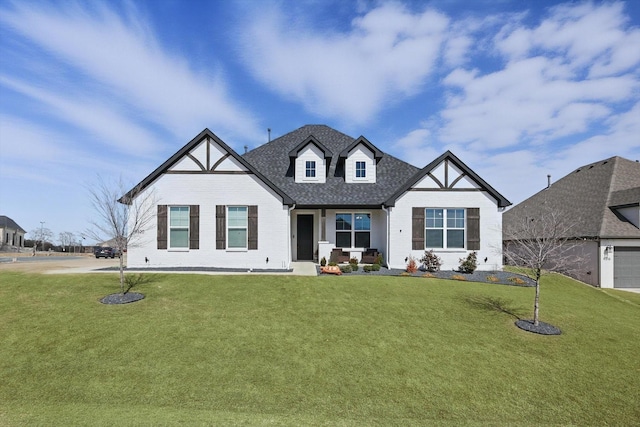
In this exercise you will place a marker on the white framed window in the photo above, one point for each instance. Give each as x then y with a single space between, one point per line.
237 227
445 228
353 230
179 227
361 169
310 169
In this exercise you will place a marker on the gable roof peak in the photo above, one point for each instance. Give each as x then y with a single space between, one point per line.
310 140
377 153
448 155
182 152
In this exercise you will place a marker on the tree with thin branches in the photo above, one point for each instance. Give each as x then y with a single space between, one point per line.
66 238
121 216
541 243
40 236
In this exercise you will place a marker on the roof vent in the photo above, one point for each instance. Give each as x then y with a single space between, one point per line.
548 180
246 148
269 133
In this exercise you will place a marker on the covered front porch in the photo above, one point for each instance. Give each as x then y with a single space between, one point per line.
315 232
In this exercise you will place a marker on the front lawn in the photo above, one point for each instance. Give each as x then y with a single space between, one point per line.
285 350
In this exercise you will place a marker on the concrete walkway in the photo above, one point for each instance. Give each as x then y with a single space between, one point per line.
304 268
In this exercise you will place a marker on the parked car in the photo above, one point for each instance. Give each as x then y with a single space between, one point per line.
106 253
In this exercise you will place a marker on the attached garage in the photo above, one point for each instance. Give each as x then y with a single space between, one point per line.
626 267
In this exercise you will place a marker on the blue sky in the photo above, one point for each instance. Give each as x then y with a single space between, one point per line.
516 89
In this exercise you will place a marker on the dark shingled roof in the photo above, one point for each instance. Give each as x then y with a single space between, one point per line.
273 162
6 222
588 197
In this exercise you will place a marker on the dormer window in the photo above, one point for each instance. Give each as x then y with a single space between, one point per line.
310 161
310 169
359 161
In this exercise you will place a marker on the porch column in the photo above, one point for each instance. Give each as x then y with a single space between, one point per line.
323 225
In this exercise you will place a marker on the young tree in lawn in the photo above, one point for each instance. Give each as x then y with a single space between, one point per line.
66 238
122 219
539 244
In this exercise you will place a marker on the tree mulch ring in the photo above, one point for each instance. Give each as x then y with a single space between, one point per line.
122 299
542 328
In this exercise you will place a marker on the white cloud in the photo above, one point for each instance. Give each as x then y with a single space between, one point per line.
590 35
417 146
547 88
111 129
122 58
387 54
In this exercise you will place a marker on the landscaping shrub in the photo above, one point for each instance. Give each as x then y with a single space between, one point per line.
469 264
458 277
346 268
323 262
354 267
367 269
412 265
431 261
375 267
428 275
333 263
516 280
379 260
493 279
353 260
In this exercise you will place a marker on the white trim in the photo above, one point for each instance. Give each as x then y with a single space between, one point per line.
178 248
244 248
445 243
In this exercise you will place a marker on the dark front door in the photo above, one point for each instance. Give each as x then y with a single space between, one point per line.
305 237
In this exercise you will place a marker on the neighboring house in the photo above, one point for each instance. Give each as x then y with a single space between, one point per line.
602 199
11 233
311 191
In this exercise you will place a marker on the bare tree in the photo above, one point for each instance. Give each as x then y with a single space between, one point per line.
122 216
539 244
41 235
66 238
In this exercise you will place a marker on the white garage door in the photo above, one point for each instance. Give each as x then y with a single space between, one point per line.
626 267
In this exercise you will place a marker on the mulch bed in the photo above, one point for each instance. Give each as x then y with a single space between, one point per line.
495 277
122 299
542 328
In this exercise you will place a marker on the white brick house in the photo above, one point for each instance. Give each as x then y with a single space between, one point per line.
309 192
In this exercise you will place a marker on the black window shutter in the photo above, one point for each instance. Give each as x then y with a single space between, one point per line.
473 229
417 228
221 227
162 226
194 227
253 228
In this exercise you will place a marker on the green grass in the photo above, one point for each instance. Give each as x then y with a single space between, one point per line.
280 350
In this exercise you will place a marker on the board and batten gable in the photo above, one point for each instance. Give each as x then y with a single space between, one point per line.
360 153
311 153
447 184
204 178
